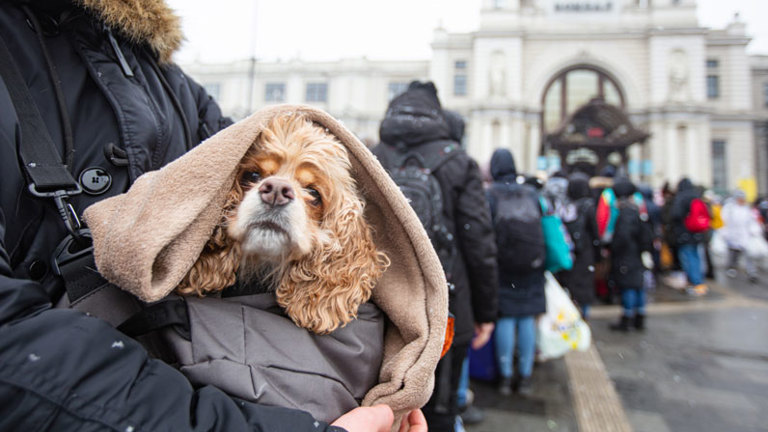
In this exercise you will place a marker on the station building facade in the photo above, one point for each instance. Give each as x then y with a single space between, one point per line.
560 83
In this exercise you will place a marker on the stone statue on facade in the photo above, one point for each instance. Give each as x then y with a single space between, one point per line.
678 76
497 75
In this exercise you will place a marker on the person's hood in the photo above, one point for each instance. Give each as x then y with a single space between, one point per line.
502 165
608 171
415 117
149 22
147 239
578 186
685 185
455 124
623 187
556 189
646 191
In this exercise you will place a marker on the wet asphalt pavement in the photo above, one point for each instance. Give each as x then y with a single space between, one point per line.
701 365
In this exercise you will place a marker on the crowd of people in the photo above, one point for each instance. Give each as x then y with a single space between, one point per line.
621 237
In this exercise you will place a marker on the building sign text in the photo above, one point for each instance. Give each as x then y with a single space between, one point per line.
583 6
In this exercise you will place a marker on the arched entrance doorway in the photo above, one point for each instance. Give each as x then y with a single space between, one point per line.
584 120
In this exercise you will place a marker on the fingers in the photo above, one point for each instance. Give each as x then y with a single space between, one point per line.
483 333
384 417
414 421
378 418
479 341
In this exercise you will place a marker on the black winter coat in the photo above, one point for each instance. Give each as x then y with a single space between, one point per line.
60 369
415 121
580 280
520 294
631 237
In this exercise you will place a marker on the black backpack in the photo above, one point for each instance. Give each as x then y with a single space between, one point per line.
413 172
517 223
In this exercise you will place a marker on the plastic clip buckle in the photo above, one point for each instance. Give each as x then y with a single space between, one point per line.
71 249
66 211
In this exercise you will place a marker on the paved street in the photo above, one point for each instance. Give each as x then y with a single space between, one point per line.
701 365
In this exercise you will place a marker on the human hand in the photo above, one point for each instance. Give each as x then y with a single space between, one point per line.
378 418
414 421
482 334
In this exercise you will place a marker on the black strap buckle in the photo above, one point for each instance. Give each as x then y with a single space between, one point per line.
66 211
156 316
71 249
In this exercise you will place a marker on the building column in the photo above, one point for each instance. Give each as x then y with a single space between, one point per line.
534 145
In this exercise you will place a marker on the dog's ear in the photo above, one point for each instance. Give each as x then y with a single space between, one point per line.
323 290
216 268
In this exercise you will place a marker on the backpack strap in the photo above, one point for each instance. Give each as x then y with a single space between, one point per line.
47 174
428 156
544 206
156 316
438 158
49 177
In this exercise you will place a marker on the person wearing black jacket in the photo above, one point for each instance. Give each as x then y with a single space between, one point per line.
521 247
579 217
416 122
115 107
631 238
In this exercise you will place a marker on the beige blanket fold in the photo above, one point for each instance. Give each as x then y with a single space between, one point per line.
148 238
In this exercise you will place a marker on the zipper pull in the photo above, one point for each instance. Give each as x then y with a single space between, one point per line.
127 71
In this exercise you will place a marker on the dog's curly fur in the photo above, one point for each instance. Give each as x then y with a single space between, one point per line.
317 251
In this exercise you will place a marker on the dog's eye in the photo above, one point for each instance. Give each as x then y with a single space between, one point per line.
251 177
316 195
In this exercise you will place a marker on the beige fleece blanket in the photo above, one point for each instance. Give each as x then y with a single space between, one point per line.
148 238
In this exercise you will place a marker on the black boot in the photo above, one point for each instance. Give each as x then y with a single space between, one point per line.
640 322
505 386
524 386
472 415
622 325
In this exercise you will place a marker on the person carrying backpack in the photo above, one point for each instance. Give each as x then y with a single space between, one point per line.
517 213
445 189
690 225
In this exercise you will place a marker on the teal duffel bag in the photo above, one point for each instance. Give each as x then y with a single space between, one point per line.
556 240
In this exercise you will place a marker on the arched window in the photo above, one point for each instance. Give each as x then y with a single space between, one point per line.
573 88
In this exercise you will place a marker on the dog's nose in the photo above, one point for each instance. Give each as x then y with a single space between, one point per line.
276 192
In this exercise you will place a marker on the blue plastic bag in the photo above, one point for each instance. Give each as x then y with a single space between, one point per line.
556 240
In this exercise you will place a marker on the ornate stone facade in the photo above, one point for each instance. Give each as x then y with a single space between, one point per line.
531 64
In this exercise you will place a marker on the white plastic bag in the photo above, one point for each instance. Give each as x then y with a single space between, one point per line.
756 248
562 328
718 250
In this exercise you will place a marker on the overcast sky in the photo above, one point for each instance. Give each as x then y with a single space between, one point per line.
383 29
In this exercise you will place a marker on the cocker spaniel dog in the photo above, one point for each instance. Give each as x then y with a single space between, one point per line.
294 218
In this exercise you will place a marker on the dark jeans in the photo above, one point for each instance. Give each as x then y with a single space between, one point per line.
442 408
633 301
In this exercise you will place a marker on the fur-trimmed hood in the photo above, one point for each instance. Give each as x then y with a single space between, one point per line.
148 238
149 22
